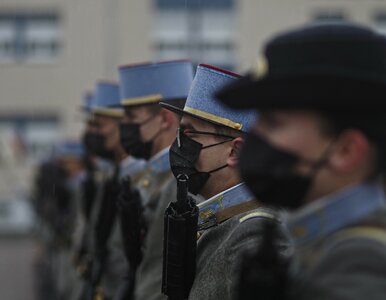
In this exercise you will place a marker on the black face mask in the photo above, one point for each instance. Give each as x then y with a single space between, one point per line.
95 144
130 138
184 154
87 140
270 173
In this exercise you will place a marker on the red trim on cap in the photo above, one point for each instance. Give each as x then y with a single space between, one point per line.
110 82
220 70
154 63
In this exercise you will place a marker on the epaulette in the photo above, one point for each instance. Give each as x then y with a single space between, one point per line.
366 232
257 214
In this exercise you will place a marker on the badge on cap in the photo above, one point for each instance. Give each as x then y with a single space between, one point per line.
261 67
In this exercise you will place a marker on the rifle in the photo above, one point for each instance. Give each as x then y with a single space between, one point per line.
264 273
180 239
133 229
88 190
103 228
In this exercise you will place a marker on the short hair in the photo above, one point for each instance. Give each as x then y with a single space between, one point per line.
224 130
155 108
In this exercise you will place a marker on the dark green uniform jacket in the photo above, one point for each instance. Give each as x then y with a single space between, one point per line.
230 224
157 187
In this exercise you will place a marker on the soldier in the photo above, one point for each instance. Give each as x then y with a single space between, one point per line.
56 185
147 132
88 187
206 150
108 257
319 150
85 199
68 156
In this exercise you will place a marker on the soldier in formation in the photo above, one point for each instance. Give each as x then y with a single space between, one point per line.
318 150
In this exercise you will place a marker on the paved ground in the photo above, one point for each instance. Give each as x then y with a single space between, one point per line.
16 276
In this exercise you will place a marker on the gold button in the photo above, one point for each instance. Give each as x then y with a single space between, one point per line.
146 183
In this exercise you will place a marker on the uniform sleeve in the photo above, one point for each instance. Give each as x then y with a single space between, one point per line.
247 237
149 277
354 269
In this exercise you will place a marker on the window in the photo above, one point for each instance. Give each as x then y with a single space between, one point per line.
29 38
26 136
200 30
329 16
198 4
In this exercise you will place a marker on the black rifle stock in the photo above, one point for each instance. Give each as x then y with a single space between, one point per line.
103 228
133 229
88 198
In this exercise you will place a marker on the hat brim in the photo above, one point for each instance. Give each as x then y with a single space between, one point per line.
108 112
182 112
320 92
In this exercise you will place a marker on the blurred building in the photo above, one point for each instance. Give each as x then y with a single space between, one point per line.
51 51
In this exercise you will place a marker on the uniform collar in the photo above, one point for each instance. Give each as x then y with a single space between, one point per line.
331 213
210 209
130 166
75 181
126 162
160 162
103 164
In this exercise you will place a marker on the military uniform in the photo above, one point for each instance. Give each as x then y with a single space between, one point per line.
157 187
107 103
156 175
104 170
338 72
116 266
65 221
230 225
340 246
148 84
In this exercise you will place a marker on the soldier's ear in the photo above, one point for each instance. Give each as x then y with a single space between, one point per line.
168 118
233 158
351 153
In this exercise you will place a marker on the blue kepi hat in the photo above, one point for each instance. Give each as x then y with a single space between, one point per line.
203 105
107 101
150 83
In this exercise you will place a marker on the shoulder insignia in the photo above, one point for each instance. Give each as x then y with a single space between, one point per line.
257 214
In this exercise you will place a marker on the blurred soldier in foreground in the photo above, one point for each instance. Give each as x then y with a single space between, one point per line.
319 150
147 132
206 150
